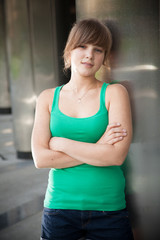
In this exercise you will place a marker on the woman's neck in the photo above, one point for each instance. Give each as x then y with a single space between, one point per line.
78 83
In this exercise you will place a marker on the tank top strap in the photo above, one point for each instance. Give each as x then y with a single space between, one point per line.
102 96
56 97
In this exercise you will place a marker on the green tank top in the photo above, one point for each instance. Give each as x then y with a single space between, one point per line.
83 187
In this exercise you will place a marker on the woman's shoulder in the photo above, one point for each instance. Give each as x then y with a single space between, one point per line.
116 93
116 89
46 92
46 95
45 99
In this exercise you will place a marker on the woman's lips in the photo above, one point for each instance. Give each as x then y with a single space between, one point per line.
87 64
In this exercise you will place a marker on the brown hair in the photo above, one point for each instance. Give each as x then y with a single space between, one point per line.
88 31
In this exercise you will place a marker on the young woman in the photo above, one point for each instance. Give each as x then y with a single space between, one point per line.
82 131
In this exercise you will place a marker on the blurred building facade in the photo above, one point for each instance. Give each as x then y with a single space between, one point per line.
33 35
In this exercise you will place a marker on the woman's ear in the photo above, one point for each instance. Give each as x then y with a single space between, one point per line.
68 60
106 61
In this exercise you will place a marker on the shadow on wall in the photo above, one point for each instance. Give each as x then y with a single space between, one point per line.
104 74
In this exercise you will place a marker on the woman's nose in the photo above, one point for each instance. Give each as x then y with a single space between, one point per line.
89 54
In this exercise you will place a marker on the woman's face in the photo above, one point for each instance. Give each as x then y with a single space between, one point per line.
86 59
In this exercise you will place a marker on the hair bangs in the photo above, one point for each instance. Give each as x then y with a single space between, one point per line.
91 34
88 31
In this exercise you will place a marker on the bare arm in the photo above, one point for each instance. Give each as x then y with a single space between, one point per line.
102 153
43 156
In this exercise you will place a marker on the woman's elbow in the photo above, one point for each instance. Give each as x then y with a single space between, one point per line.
37 165
39 154
37 162
43 158
38 159
114 160
120 160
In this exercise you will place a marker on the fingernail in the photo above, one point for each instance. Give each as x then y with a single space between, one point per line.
118 124
124 130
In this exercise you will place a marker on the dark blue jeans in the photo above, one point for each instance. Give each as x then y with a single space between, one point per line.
60 224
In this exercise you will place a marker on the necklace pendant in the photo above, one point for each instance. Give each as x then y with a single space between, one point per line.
79 100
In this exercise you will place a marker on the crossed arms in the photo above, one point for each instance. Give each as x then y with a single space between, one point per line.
111 149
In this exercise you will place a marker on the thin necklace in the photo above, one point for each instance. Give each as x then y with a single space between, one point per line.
79 99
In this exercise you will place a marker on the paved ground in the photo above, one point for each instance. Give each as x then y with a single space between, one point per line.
22 189
27 229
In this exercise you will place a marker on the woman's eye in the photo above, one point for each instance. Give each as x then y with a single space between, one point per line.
82 46
98 50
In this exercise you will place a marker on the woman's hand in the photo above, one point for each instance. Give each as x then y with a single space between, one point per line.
56 143
113 134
